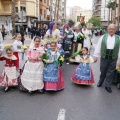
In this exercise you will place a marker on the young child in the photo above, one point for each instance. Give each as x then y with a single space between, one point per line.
8 77
53 76
83 74
18 51
32 76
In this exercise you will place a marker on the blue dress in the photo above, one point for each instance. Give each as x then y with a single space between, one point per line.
83 74
51 70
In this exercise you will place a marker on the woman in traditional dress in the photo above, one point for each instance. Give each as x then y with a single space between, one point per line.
83 74
8 77
53 33
78 41
18 51
32 76
53 76
87 33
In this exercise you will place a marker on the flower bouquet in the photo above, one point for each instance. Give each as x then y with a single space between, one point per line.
66 32
24 48
76 53
44 58
60 60
81 36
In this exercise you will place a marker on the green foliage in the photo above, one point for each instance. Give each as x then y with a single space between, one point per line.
112 5
71 22
82 24
96 21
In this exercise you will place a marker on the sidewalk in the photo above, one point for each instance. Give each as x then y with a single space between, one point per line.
8 41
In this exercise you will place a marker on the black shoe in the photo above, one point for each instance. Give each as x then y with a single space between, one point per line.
108 89
99 85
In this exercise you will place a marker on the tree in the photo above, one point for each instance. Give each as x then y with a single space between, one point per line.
13 17
71 22
111 6
96 21
82 24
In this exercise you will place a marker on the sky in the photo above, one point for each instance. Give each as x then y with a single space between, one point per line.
85 4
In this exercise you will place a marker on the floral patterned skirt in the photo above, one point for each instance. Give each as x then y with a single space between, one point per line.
8 77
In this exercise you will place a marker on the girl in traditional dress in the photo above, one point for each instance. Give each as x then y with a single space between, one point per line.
18 51
83 74
32 76
8 77
53 76
87 42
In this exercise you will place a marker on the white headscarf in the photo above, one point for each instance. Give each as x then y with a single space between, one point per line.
32 44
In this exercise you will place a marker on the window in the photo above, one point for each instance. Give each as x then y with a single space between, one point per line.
16 9
7 7
44 14
22 8
40 11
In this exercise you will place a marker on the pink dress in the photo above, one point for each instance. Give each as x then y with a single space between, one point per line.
32 76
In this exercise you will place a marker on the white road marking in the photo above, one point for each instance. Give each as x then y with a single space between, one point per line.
61 115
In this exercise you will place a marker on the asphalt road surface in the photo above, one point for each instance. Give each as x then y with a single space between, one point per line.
75 102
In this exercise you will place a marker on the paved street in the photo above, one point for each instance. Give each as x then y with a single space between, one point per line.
75 102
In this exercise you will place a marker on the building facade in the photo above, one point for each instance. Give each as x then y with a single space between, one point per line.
100 10
44 9
30 12
58 10
78 11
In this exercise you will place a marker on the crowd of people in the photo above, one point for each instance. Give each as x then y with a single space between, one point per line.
41 70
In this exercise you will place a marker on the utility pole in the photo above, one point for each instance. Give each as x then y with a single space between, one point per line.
13 17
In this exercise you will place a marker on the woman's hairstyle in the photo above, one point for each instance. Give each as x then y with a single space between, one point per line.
51 26
37 37
85 48
9 49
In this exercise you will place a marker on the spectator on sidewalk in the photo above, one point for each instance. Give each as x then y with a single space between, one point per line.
3 31
22 34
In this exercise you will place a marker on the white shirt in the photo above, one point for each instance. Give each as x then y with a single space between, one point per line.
78 58
110 45
76 34
55 32
17 44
